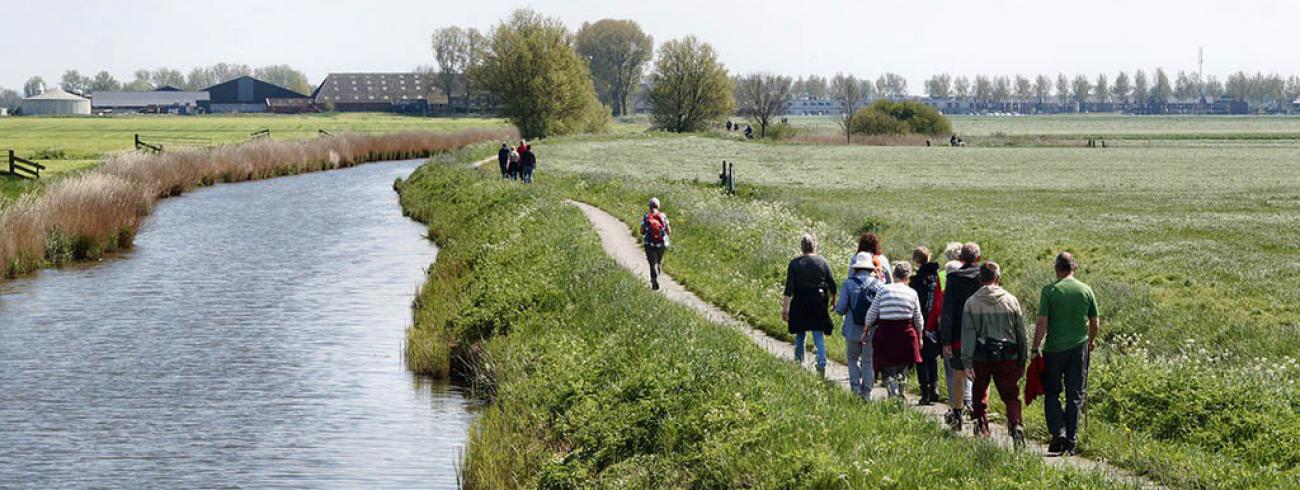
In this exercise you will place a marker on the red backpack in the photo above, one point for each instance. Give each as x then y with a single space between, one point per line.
655 227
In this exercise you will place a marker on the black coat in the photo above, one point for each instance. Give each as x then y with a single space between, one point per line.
962 284
503 157
924 283
528 159
809 284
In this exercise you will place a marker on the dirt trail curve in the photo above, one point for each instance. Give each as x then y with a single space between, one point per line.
485 161
619 244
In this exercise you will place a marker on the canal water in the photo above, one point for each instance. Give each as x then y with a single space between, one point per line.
251 339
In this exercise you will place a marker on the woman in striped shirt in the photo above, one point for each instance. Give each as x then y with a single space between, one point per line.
895 321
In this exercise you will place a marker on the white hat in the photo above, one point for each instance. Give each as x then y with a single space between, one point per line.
863 261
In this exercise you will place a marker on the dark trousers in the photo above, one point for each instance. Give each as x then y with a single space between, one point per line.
1006 376
504 171
927 371
1070 366
655 256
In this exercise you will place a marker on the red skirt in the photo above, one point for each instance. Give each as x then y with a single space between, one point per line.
894 344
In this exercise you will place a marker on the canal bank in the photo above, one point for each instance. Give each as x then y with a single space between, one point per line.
251 338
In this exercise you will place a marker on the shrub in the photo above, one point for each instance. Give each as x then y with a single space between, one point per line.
905 117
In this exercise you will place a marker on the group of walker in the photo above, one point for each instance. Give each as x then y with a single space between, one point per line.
517 163
910 315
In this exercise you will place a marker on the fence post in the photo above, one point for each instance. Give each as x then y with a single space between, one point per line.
731 180
11 163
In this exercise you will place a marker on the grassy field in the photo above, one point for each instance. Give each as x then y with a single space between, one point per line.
70 143
1107 126
596 382
1194 384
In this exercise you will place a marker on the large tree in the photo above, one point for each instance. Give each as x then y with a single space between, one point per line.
9 99
763 96
1101 88
689 87
1187 86
1062 88
1080 89
166 77
1214 88
530 66
200 78
983 90
141 82
1161 90
1042 88
74 81
284 76
451 49
1001 89
36 85
1024 89
225 72
848 90
104 82
617 52
1122 88
815 86
961 87
1140 87
939 86
891 85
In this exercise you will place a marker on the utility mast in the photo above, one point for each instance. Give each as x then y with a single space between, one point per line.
1200 69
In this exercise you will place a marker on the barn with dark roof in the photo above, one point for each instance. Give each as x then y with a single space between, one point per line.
412 93
248 94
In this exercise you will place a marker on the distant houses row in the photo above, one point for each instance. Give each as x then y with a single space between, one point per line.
956 105
412 93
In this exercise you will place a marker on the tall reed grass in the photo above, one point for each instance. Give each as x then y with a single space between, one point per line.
85 216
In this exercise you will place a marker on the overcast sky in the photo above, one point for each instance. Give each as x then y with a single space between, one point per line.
915 38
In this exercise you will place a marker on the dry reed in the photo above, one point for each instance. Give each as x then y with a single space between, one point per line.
85 216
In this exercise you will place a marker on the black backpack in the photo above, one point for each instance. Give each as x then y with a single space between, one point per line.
866 296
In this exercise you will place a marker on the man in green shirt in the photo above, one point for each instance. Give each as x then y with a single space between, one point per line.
1068 318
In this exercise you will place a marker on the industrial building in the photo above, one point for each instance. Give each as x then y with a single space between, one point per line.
161 101
410 93
55 102
247 94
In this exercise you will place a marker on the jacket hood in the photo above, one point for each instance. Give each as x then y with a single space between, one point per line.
969 272
928 268
990 295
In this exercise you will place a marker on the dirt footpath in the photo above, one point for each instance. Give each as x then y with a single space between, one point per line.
624 248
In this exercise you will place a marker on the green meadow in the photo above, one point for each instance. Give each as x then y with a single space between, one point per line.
1188 247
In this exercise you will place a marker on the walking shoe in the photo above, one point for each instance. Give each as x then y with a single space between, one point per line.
925 398
821 371
1018 437
980 427
1057 445
954 420
654 285
1070 448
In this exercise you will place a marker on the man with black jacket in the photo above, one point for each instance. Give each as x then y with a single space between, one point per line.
503 159
961 285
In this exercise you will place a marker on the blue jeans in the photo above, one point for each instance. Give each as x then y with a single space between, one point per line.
819 341
527 174
862 373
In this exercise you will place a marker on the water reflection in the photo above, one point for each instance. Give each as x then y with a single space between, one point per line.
251 339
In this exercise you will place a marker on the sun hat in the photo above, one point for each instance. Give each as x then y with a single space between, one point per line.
862 260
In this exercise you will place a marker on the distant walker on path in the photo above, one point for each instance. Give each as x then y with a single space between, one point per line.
503 160
655 231
805 306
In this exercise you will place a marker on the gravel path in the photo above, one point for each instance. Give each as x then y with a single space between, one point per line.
619 244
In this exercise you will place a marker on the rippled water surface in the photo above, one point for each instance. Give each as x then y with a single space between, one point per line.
251 339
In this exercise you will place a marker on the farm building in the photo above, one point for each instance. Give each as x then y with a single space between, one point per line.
379 92
246 94
159 101
55 102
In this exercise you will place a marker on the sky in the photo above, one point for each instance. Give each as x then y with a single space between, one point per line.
915 38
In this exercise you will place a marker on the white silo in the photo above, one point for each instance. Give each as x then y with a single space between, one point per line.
55 102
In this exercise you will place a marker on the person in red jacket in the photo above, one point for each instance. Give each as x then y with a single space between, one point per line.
926 285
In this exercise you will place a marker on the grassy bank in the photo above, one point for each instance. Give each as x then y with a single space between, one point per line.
1193 384
85 216
596 382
